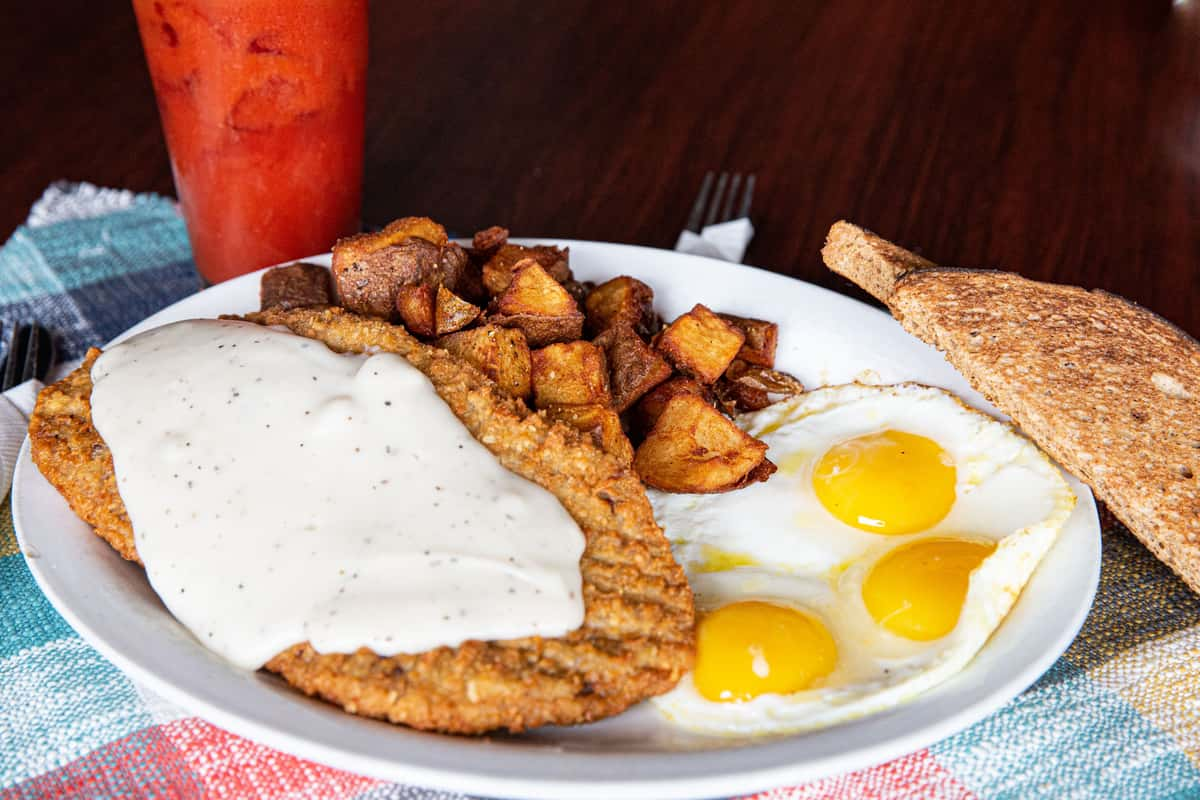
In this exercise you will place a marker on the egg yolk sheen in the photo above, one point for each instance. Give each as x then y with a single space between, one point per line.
917 590
750 648
889 482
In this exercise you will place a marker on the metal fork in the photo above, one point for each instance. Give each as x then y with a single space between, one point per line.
722 205
31 353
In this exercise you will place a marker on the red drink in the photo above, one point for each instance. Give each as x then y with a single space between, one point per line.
262 105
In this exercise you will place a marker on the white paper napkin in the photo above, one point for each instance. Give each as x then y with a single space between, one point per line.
15 407
726 240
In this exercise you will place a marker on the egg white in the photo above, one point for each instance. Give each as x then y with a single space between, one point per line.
791 551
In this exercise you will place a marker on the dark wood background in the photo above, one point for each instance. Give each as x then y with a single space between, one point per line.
1059 139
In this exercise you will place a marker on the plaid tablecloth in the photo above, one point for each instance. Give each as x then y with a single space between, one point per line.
1117 717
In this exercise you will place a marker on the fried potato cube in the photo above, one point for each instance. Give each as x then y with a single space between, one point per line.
534 291
700 344
542 330
296 285
570 373
415 305
694 448
749 387
490 239
452 313
370 267
498 270
601 423
500 353
647 411
761 339
539 306
395 233
634 367
579 289
622 300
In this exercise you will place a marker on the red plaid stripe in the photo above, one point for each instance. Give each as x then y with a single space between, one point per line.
145 763
235 768
918 775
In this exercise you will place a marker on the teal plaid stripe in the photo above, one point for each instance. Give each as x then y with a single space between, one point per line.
87 280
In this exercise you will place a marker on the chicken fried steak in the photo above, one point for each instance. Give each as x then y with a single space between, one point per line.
637 637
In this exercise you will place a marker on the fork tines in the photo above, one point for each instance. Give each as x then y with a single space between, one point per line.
724 204
30 354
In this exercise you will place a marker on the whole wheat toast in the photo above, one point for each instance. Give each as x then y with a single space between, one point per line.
1107 388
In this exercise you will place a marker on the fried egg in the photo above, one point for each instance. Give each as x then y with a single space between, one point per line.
896 535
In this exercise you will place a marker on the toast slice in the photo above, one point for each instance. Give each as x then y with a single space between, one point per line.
1107 388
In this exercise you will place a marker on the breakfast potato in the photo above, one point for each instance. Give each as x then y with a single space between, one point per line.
500 353
761 339
759 474
370 267
539 306
415 305
579 289
700 344
395 232
634 368
694 448
542 330
749 387
647 411
570 373
600 422
622 300
296 285
452 313
489 240
499 269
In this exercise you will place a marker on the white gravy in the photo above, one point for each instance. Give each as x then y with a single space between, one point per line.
280 492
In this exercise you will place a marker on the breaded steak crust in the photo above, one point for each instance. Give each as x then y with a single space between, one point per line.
637 637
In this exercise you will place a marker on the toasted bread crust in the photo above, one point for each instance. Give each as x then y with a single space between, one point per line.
637 637
1107 388
871 261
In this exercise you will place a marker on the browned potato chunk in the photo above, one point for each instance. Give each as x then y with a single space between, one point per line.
646 412
370 267
533 291
415 305
761 339
490 239
500 353
396 232
700 344
601 422
541 331
622 300
296 285
748 387
760 473
578 289
539 306
499 269
634 368
695 448
452 313
570 373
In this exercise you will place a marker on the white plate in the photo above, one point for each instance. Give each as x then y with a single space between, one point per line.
824 338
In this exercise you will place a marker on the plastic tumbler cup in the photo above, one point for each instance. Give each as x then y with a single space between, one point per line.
262 106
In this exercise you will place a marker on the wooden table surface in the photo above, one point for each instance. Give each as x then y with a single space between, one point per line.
1056 138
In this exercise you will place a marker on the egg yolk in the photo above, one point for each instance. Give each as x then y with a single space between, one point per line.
890 482
917 590
750 648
